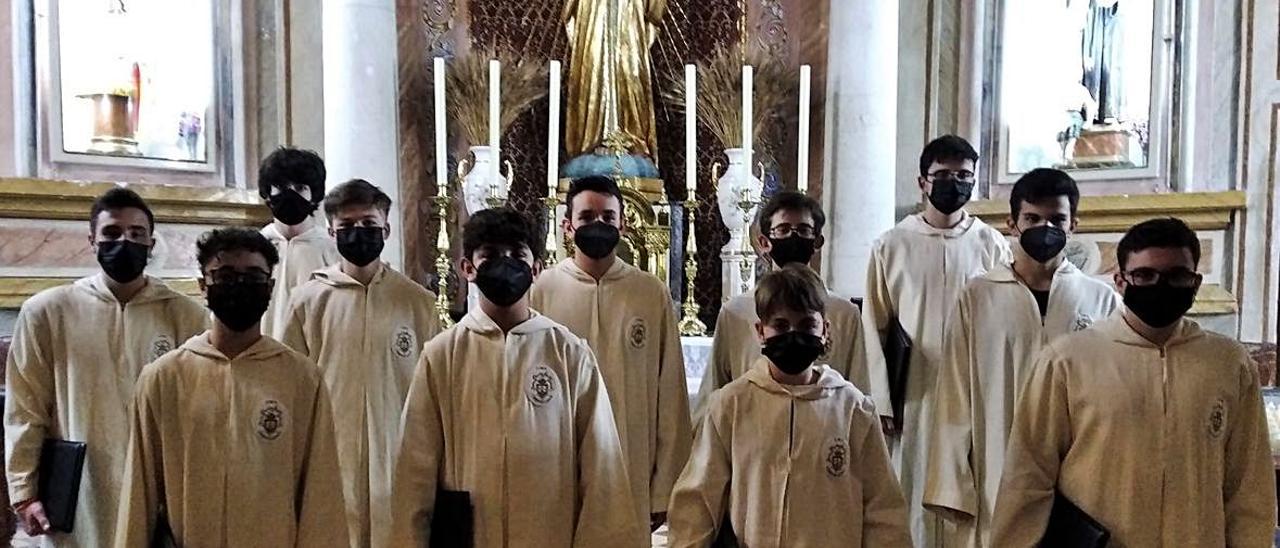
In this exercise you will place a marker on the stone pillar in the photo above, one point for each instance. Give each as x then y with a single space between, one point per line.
360 127
861 135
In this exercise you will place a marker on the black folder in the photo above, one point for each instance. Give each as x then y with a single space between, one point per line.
453 521
1071 527
725 537
897 357
61 465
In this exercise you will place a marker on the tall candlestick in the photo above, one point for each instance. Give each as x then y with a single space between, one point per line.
691 130
553 131
747 141
802 163
495 82
442 175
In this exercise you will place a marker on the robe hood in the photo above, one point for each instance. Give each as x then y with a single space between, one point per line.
334 276
828 382
1118 329
317 232
155 290
916 223
476 321
265 349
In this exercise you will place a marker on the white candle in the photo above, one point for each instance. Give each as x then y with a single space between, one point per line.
553 131
747 90
691 130
442 167
802 163
495 82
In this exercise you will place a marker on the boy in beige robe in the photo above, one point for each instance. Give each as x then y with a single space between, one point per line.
790 233
510 408
628 318
1150 425
915 275
1002 320
364 324
76 352
790 451
291 181
232 437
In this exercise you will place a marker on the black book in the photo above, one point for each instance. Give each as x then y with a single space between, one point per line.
897 357
1071 527
453 521
725 537
61 465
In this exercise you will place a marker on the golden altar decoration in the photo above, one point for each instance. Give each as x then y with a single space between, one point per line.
646 242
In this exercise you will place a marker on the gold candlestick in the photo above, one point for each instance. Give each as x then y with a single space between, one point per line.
443 264
690 325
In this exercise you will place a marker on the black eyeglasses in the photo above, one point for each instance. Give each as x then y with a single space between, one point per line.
1178 277
962 175
231 276
785 231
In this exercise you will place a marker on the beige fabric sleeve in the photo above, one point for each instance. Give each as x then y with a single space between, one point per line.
674 426
701 496
884 509
950 485
1248 489
604 517
320 483
418 462
877 311
29 402
719 366
294 332
143 488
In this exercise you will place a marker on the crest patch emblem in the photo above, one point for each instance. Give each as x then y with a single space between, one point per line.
837 458
404 342
541 385
1083 322
638 333
1217 419
160 346
270 420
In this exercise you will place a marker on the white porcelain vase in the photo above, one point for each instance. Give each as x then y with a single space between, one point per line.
738 187
478 191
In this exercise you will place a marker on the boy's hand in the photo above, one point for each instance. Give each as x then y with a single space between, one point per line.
886 423
31 514
656 521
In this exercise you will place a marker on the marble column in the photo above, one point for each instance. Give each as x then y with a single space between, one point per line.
360 128
862 93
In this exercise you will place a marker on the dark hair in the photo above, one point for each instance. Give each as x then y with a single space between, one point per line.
356 192
793 287
221 240
501 226
948 148
790 200
593 183
287 166
120 198
1166 233
1042 184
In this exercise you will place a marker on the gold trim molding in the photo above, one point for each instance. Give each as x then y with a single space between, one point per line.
15 291
70 200
1201 210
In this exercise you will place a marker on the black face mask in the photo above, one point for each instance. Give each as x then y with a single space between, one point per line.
596 240
123 260
792 249
360 245
1159 305
1043 243
949 196
238 305
504 280
290 207
793 352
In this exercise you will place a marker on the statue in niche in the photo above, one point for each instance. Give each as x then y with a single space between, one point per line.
610 99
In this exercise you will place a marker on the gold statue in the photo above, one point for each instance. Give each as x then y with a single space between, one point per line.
610 86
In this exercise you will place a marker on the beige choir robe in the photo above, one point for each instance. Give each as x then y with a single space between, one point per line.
76 353
522 423
630 323
366 341
992 340
237 452
1165 446
915 274
299 257
735 348
792 466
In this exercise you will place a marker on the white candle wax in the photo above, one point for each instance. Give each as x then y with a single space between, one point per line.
802 163
495 82
553 131
442 167
691 130
747 130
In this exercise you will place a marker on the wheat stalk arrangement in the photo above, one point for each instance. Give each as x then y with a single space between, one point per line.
720 94
524 82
